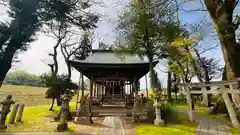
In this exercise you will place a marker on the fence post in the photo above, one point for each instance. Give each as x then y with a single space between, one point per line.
189 102
13 115
20 112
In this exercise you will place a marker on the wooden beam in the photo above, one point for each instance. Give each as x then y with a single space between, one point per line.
216 83
111 78
215 92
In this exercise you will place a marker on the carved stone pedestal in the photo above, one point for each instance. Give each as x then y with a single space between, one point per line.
158 121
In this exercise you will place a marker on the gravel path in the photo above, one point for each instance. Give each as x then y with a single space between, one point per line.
208 126
211 127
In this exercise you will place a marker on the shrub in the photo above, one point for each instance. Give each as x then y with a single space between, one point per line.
168 114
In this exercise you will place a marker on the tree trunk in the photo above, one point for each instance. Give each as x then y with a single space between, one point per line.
206 78
5 34
69 71
51 108
169 87
222 16
151 71
55 58
6 62
59 102
3 40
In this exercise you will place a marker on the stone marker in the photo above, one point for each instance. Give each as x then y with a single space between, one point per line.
20 112
63 125
14 113
6 104
158 121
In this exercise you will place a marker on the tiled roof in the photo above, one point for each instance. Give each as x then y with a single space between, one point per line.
110 57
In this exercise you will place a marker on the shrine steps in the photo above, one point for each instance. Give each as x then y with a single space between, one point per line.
113 106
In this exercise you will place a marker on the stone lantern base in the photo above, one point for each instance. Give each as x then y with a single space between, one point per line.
158 122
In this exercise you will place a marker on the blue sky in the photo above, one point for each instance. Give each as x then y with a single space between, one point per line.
36 58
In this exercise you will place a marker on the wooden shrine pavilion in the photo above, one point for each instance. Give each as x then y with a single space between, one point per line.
113 77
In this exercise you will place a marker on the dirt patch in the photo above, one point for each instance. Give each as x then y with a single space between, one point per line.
129 127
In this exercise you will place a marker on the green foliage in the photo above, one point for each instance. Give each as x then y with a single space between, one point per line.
85 48
213 68
22 78
234 131
27 17
45 80
155 80
182 62
168 113
58 87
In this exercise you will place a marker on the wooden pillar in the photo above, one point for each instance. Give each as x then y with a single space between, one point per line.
90 100
78 92
124 88
82 86
130 88
95 85
113 86
135 86
146 86
97 90
102 91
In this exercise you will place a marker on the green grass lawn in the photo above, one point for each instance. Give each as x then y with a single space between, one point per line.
38 119
235 131
180 125
149 129
201 110
184 128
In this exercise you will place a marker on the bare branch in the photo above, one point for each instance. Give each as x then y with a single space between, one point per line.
63 53
236 22
50 54
236 3
214 47
193 10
